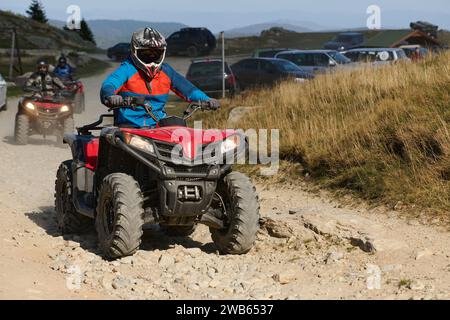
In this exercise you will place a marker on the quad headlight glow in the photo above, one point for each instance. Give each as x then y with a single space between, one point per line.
29 106
64 109
139 143
229 144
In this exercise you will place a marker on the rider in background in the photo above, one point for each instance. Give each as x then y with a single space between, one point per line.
144 74
64 70
43 80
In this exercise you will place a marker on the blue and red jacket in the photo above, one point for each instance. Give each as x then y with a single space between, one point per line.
127 80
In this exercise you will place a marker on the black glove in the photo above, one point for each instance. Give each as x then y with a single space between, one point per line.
114 101
213 104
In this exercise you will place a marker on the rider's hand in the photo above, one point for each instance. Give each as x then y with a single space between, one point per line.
213 104
114 101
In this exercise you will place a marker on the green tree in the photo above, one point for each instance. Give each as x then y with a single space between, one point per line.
36 12
85 32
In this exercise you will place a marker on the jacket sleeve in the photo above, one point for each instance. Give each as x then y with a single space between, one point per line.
182 87
114 82
58 82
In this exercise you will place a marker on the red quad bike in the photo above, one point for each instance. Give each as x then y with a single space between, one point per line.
45 115
127 178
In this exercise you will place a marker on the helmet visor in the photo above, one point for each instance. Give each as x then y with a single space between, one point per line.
152 55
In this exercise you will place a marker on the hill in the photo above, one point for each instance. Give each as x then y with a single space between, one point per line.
381 133
109 32
256 29
35 35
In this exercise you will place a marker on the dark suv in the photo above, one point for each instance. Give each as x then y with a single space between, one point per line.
345 41
191 41
256 72
119 52
207 75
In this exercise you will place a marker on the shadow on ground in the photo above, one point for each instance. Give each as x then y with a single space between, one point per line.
153 238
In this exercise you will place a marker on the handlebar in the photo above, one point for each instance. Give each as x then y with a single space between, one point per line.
134 102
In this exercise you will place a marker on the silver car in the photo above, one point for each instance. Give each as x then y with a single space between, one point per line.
376 56
2 93
315 61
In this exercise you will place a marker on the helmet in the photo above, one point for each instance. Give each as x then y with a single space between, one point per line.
148 50
42 67
62 61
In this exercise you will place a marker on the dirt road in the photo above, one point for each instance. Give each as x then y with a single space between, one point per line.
308 248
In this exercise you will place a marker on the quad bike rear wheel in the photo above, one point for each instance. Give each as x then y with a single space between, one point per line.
21 129
237 198
69 220
120 216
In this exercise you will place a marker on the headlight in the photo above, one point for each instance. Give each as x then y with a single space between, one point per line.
139 143
64 109
29 106
229 144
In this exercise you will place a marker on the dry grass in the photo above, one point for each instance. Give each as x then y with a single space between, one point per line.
382 133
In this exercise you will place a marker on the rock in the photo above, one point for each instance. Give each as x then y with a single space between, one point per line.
391 267
295 211
423 254
72 244
333 256
359 231
285 277
193 252
127 260
121 282
416 285
166 261
277 229
214 283
106 282
238 113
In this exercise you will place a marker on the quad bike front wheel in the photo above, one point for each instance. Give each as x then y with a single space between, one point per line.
120 216
236 197
69 220
21 129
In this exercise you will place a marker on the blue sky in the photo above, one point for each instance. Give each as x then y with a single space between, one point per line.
227 14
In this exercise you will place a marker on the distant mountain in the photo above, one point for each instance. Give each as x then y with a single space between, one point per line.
256 29
109 32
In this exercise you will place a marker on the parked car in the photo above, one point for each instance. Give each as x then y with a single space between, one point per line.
207 75
3 89
254 72
119 52
345 41
415 52
315 61
268 53
377 56
191 41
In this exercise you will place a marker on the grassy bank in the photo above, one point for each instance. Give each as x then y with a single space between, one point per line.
383 134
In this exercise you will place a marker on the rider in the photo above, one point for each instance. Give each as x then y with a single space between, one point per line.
43 80
144 74
63 69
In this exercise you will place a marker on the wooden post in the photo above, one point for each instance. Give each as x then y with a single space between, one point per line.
13 49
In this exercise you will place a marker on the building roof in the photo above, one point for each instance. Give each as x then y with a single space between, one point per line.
395 38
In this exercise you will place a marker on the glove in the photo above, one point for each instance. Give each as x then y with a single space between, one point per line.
114 101
214 104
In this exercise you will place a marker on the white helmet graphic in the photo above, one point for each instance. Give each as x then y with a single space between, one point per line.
148 50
